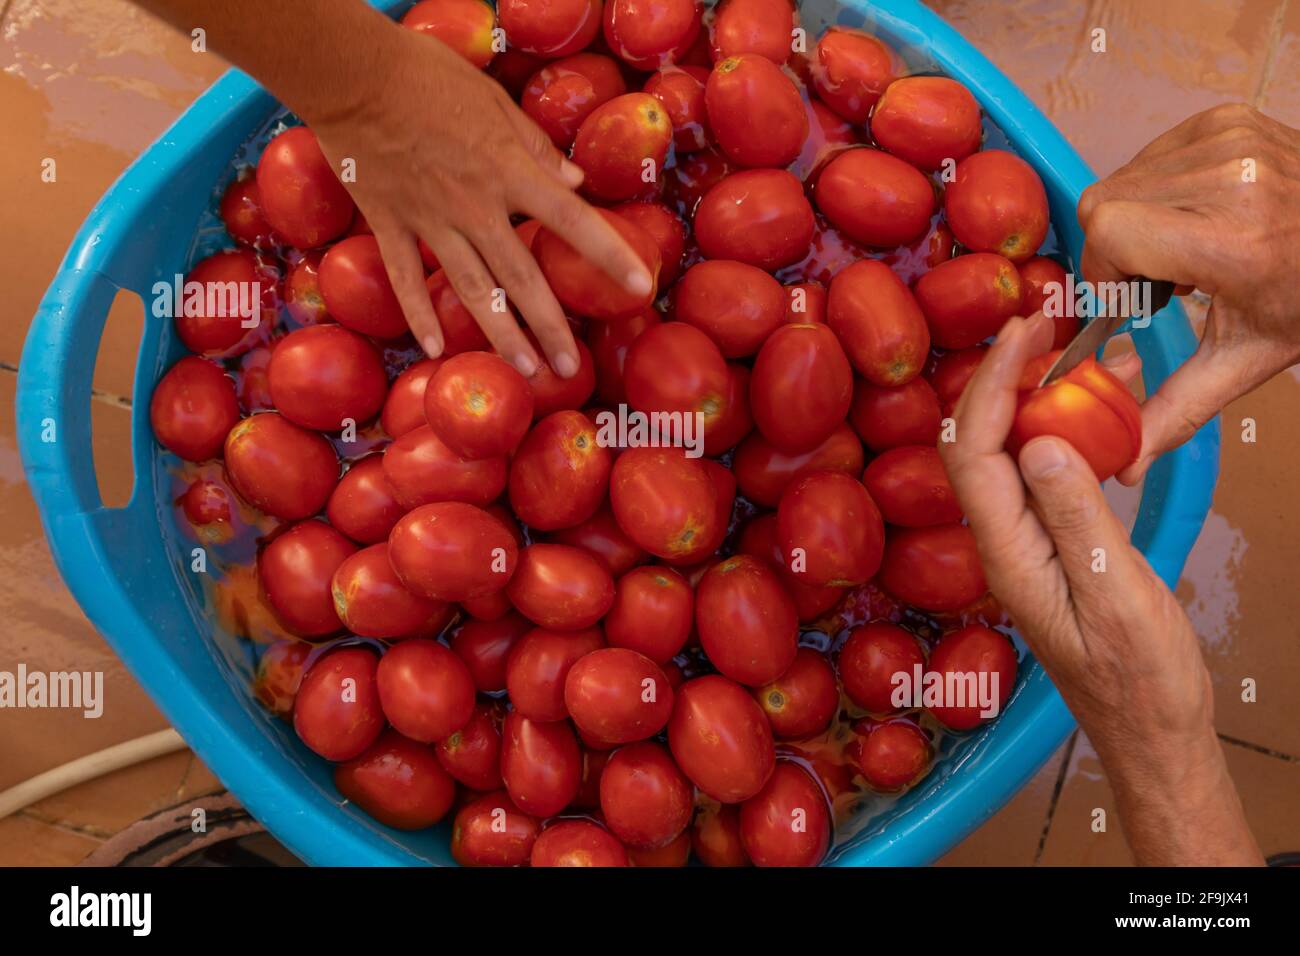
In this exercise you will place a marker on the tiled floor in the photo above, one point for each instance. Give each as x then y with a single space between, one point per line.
89 83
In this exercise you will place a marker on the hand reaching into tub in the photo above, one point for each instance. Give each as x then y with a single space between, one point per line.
441 154
1213 204
1115 642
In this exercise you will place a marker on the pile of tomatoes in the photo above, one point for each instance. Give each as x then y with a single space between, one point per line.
584 654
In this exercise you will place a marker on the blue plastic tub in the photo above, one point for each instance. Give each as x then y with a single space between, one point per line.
129 569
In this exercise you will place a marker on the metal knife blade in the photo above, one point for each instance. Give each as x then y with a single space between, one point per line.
1094 335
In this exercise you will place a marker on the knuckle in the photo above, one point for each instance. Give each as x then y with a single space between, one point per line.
471 285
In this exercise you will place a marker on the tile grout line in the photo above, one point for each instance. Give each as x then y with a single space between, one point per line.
82 830
1056 794
1265 751
1270 58
108 398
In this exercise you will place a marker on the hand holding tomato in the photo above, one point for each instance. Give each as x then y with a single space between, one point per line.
1166 215
1115 642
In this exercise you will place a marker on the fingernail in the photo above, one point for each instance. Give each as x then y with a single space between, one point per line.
639 282
566 365
526 364
432 347
1041 459
572 172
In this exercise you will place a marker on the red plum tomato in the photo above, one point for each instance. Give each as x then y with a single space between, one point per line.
721 739
193 408
450 551
336 712
830 530
398 782
279 468
301 195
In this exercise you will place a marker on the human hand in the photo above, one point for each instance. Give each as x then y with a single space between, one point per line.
443 154
1190 209
1111 636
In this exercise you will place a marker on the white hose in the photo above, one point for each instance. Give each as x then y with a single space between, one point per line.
88 768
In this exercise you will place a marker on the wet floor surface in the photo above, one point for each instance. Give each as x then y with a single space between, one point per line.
90 83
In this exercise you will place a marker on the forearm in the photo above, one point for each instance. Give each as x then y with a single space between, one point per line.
1176 802
319 57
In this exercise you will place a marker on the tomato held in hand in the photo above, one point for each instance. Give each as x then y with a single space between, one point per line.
560 587
301 195
618 696
869 660
889 417
753 26
356 289
927 120
325 377
644 798
875 198
485 647
464 25
892 755
830 530
967 299
398 782
935 569
549 28
560 473
478 405
801 388
193 408
802 701
1088 407
788 822
279 468
910 487
747 623
425 689
451 551
421 470
721 739
736 305
622 145
492 831
997 203
582 287
335 719
850 71
666 503
757 216
978 659
540 763
538 665
563 93
648 37
372 602
577 843
653 612
877 320
473 754
755 112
